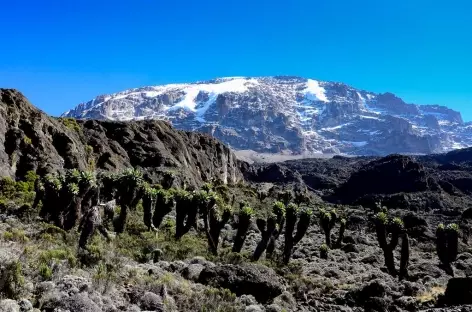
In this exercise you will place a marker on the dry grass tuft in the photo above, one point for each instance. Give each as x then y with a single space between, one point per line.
431 295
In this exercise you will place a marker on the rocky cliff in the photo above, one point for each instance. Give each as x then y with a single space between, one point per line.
291 115
31 140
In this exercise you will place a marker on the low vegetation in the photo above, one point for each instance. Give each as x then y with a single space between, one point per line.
146 223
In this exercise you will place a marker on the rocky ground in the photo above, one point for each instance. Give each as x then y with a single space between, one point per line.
53 277
43 269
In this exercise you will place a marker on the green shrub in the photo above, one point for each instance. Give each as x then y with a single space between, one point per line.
106 274
140 247
27 140
71 123
187 247
7 187
48 256
13 280
209 299
18 192
45 272
94 254
16 235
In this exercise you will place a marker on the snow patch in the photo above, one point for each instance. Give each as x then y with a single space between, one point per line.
360 96
369 117
356 144
315 92
335 128
239 85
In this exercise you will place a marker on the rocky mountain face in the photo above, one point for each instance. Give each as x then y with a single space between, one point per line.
290 114
31 140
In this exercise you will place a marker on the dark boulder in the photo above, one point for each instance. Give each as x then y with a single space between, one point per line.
368 294
250 279
458 292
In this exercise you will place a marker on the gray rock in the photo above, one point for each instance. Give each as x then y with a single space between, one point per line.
8 305
177 266
25 305
192 272
198 260
247 300
133 308
274 308
78 303
45 287
285 300
164 265
151 302
350 248
250 279
254 308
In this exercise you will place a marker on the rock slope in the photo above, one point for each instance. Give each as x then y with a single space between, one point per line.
290 114
31 140
439 183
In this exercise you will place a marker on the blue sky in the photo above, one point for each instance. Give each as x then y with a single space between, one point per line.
60 53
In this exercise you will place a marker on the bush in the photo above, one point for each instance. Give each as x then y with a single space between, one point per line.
209 299
140 247
18 192
96 252
106 274
188 246
45 272
72 124
27 140
16 235
12 280
48 256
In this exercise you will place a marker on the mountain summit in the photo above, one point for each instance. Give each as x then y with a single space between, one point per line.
290 114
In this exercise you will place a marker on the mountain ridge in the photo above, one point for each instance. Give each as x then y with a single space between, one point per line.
35 141
290 114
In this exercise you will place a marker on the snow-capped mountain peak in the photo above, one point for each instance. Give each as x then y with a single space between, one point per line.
298 115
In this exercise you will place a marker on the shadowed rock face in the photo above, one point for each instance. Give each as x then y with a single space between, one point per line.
31 140
440 182
389 175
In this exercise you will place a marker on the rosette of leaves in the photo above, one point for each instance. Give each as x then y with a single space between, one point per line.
244 221
214 220
129 192
164 204
447 245
270 231
149 203
186 213
385 226
299 217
